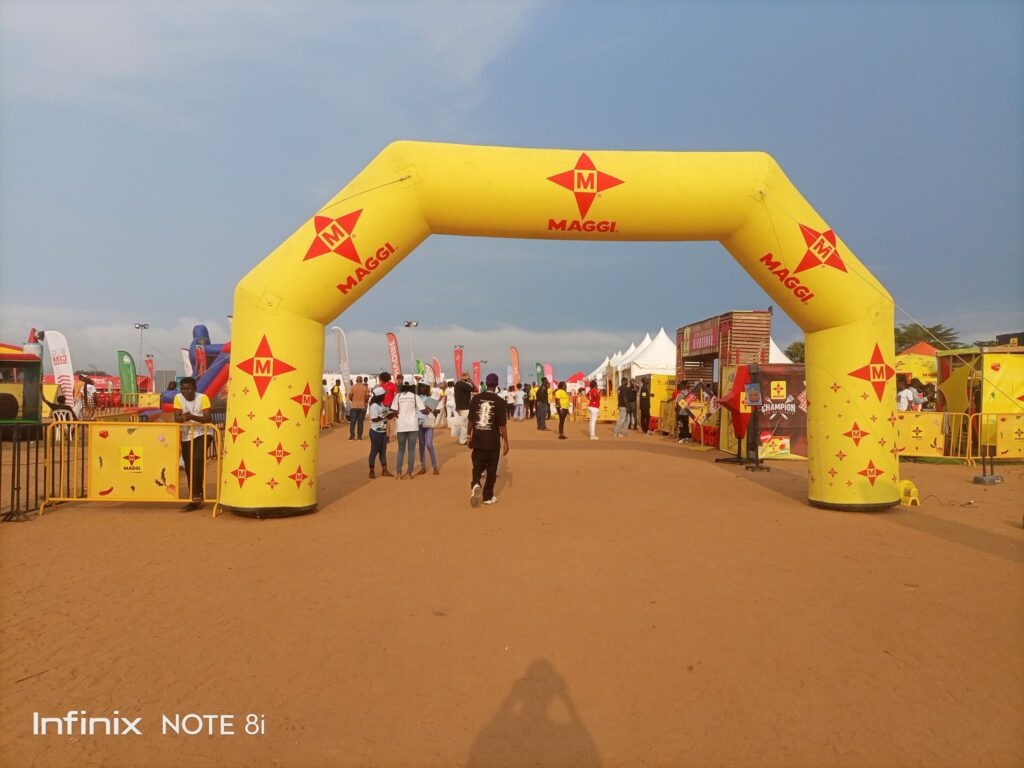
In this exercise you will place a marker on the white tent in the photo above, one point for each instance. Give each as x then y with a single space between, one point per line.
627 359
776 355
615 359
658 357
598 373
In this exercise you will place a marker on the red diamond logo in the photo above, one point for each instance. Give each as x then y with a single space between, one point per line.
242 474
131 457
821 250
272 483
298 476
585 182
263 366
279 453
334 235
279 418
877 372
856 434
234 430
871 472
306 400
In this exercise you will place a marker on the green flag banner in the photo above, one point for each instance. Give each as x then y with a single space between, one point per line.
129 382
540 372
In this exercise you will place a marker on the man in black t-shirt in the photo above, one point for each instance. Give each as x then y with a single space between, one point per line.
542 404
644 401
488 437
463 394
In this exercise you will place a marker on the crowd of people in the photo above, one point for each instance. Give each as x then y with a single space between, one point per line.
410 412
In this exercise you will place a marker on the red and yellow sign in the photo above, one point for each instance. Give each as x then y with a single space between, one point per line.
133 462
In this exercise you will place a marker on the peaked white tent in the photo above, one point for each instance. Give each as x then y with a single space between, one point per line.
776 355
628 358
598 373
658 357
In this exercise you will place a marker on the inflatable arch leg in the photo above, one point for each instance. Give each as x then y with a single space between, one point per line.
414 189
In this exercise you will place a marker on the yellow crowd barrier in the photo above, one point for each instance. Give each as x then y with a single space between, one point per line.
967 438
130 461
999 436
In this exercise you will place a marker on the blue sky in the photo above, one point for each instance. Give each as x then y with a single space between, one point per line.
152 153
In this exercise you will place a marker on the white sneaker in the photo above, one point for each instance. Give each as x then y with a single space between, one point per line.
475 496
594 437
680 441
492 500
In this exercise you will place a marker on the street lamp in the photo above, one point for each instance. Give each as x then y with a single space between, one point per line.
140 327
411 325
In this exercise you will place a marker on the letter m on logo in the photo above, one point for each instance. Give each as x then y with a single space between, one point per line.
263 366
334 235
586 180
878 372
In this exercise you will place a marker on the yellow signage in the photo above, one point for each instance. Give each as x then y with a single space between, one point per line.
131 462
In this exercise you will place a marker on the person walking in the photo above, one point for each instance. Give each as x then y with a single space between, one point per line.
407 406
644 400
463 398
542 405
488 439
427 421
530 396
562 403
520 400
593 407
357 397
190 409
379 415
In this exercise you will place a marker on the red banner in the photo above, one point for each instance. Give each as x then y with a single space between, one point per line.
549 373
476 373
515 365
437 369
396 361
200 361
149 367
458 363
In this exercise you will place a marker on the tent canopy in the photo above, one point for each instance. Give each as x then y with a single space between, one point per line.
658 357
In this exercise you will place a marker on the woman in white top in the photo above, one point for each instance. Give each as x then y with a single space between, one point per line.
408 405
428 420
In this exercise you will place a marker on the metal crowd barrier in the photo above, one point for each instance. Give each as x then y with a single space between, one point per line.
20 486
967 438
998 436
126 462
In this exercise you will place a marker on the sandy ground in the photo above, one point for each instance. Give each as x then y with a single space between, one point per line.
626 603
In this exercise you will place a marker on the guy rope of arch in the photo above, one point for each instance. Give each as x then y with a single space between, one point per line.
414 189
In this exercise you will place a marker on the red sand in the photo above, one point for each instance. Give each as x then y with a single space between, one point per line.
626 603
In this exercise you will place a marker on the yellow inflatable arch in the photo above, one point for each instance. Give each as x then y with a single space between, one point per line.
414 189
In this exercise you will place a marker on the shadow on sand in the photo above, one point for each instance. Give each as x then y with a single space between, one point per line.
537 725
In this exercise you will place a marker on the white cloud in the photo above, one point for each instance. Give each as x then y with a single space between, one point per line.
562 347
95 337
129 56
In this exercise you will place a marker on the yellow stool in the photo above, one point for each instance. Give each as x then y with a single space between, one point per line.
908 494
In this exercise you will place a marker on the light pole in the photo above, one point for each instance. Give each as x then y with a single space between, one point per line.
141 327
411 325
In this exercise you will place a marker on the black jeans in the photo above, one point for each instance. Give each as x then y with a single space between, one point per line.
194 453
631 409
683 425
485 459
645 420
562 413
